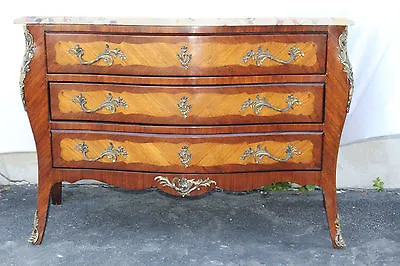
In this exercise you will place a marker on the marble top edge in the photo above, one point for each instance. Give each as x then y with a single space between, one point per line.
184 21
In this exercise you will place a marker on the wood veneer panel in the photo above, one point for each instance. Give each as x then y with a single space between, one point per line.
208 105
185 129
211 153
335 114
184 30
211 55
234 80
229 181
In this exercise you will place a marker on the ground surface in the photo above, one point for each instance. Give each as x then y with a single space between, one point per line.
107 226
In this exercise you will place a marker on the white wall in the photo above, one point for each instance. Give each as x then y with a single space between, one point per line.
372 50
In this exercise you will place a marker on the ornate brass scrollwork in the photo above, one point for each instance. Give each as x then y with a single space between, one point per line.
259 103
185 156
109 103
184 186
261 55
260 153
107 55
35 231
184 107
110 152
344 59
184 57
339 240
29 52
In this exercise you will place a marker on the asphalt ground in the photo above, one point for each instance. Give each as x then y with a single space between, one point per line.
102 225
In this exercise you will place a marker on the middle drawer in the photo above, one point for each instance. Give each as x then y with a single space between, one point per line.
188 105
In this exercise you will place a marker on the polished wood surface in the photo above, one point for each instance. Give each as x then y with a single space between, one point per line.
210 153
335 114
208 104
314 126
211 55
151 80
226 181
204 130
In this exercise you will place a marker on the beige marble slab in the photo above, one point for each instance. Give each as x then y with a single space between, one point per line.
183 21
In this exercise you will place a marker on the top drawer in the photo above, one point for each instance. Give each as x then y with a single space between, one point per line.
186 55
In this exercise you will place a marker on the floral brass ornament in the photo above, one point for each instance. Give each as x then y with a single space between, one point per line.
109 103
185 156
184 57
107 55
259 103
260 55
29 52
35 231
344 59
184 107
110 152
184 186
339 240
259 153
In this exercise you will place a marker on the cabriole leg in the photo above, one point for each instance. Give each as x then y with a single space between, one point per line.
333 218
40 219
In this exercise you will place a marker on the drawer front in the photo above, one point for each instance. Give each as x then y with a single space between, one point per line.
187 153
245 104
186 55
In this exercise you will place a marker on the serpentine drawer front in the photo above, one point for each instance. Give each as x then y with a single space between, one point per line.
191 154
186 107
250 104
186 55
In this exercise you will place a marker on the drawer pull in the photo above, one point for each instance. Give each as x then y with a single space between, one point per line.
184 107
109 103
184 186
184 57
107 55
259 103
261 55
259 153
185 156
110 152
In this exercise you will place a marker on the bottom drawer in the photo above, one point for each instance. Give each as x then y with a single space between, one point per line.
187 153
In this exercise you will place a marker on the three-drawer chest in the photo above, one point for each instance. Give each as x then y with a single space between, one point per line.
186 105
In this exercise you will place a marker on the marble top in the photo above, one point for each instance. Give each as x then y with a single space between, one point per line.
183 21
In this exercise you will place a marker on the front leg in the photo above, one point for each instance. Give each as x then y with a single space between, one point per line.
40 219
329 193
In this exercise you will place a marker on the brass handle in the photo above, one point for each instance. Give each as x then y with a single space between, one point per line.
109 103
261 55
184 57
259 103
110 152
184 186
184 107
107 55
259 154
185 156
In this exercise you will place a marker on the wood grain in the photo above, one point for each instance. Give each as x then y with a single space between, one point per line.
37 102
191 81
210 154
187 30
211 55
228 182
209 105
214 76
335 113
